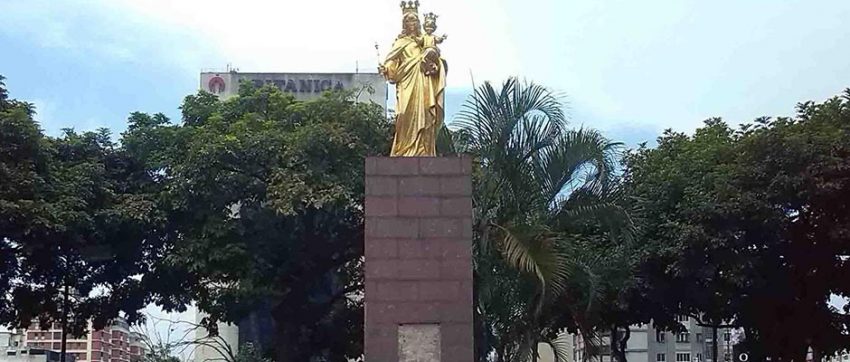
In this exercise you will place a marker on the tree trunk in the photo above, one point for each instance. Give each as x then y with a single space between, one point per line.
624 342
618 344
480 342
715 344
612 341
64 324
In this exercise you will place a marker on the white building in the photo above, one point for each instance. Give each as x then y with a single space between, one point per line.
215 348
304 86
646 344
9 339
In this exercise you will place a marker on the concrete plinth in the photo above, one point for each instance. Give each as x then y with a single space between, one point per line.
418 259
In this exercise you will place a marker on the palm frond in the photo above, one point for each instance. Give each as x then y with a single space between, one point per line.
561 347
532 249
493 118
577 151
604 204
542 195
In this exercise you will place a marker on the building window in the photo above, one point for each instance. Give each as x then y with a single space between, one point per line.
683 337
682 318
661 357
699 337
659 336
699 357
683 357
727 336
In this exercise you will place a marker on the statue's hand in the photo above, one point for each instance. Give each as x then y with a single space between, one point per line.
382 70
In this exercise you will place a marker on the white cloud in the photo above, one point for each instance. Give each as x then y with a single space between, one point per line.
304 36
663 63
95 31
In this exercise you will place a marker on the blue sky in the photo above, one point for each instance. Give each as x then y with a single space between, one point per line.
630 68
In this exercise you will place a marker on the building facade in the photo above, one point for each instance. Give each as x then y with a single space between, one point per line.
647 344
34 355
115 343
215 348
368 87
9 339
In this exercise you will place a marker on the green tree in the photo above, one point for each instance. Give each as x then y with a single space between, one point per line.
792 202
691 254
535 182
249 353
265 206
78 225
748 227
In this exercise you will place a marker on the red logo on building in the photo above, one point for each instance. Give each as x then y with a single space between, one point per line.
216 85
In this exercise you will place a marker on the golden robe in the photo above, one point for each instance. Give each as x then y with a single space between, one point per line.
420 106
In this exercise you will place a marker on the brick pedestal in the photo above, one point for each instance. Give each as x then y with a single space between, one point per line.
418 255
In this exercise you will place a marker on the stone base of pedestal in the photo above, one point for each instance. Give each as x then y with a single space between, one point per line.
418 259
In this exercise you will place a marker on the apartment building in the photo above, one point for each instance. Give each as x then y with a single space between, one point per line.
647 344
115 343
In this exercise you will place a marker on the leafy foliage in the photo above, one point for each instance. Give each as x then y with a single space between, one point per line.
256 201
76 212
263 208
249 353
750 226
536 185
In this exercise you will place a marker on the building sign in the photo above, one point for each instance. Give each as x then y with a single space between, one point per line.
302 85
216 85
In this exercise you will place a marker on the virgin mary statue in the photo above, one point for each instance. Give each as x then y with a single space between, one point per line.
419 97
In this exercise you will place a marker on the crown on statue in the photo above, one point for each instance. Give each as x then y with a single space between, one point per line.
410 7
430 17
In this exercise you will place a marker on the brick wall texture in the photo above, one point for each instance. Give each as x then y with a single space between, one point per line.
418 253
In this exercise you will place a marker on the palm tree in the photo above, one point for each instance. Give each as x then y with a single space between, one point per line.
535 178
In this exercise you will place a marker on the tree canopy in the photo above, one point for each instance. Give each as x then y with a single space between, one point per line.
78 217
255 205
749 226
265 212
546 204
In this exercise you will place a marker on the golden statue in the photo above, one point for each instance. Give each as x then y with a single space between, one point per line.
418 71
